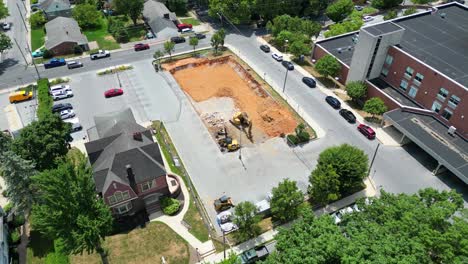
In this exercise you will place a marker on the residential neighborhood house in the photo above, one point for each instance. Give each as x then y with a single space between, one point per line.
63 34
160 19
56 8
128 168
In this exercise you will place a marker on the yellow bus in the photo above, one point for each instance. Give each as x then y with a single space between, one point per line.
20 96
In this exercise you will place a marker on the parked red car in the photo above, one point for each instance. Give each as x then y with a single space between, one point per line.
141 46
366 131
183 25
113 92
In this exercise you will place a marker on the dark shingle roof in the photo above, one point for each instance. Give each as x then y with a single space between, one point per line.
63 29
153 13
55 5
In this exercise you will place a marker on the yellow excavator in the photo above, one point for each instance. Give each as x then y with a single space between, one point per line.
229 143
241 120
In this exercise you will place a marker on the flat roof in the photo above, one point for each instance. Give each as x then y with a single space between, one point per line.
393 92
432 136
440 40
383 28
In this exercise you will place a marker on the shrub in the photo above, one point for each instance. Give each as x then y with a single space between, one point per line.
77 50
44 99
390 15
170 206
47 54
59 81
410 11
37 20
7 208
303 136
56 258
292 139
15 237
18 220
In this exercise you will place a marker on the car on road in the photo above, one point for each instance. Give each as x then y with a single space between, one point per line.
141 46
56 108
358 7
76 127
309 82
150 35
277 57
288 65
62 95
74 64
366 131
177 40
113 92
100 54
6 26
20 96
66 114
265 48
200 36
367 18
54 62
333 102
348 115
38 53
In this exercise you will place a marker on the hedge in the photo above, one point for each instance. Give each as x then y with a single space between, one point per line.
170 206
45 101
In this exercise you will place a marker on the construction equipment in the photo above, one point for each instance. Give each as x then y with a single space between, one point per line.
229 143
223 203
241 120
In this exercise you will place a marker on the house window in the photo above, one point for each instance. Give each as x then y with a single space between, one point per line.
447 114
148 185
122 209
384 72
436 107
442 94
389 60
454 101
409 72
418 79
404 85
118 197
413 91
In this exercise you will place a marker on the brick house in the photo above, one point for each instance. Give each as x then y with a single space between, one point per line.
63 34
128 168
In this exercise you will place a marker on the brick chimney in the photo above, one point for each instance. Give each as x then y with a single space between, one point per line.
131 178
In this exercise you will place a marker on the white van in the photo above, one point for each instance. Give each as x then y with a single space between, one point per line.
186 30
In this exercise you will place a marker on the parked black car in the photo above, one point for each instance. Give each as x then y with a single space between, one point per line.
265 48
333 102
309 82
348 115
288 65
76 127
178 39
200 36
60 107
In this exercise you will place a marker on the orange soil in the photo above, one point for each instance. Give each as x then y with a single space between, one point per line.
222 80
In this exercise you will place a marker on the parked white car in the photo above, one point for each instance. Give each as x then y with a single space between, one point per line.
228 227
59 88
367 18
223 217
62 95
277 57
66 114
6 26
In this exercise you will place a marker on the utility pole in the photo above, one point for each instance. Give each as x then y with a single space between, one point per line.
22 18
373 158
224 244
285 78
22 54
32 59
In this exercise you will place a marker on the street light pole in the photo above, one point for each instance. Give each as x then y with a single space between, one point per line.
224 244
285 78
373 158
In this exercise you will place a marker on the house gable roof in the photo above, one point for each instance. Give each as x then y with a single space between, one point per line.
63 29
55 5
154 12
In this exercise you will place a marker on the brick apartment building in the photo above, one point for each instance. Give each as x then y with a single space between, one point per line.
418 65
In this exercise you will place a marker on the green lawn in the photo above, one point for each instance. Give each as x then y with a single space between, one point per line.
142 245
197 227
191 20
136 33
37 38
103 38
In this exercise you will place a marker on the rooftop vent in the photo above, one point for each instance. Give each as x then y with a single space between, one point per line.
442 15
339 50
350 47
137 136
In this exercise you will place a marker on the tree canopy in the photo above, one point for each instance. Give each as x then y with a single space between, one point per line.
395 228
324 184
339 10
3 10
375 106
356 90
286 201
386 4
5 42
69 210
86 15
328 66
246 218
132 8
169 48
42 142
236 11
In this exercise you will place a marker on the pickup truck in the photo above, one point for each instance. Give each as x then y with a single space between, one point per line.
100 54
55 63
257 253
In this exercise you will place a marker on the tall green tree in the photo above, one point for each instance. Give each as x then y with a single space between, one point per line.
246 218
68 209
298 48
324 184
86 15
222 36
158 54
328 66
42 142
386 4
428 227
215 42
316 7
356 90
5 142
37 20
169 48
236 11
286 201
5 42
348 162
194 43
375 106
3 10
132 8
339 10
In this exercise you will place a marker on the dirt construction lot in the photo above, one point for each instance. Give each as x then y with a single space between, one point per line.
220 87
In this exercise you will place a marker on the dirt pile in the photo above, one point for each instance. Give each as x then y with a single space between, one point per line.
203 79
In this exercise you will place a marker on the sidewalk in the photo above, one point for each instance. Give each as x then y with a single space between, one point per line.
381 134
268 236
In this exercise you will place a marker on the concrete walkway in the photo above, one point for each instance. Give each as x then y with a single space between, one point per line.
269 235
